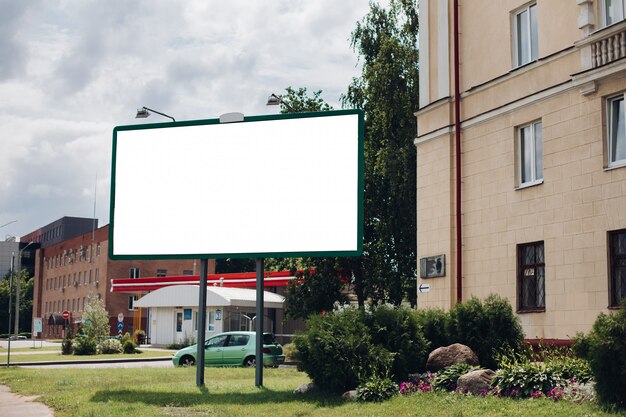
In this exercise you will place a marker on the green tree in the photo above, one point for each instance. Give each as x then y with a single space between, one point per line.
387 92
96 320
26 301
299 101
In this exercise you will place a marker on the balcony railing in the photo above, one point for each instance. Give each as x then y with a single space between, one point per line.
609 49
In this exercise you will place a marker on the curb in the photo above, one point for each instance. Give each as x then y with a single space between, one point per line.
94 361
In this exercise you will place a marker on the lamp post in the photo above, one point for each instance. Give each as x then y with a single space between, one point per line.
6 224
144 112
274 100
10 302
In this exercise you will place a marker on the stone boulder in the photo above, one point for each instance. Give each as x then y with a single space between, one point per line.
445 356
349 395
305 388
476 382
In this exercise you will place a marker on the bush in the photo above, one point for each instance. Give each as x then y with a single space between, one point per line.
108 346
376 389
446 379
130 347
436 325
66 347
398 331
291 352
84 345
607 357
337 351
526 379
486 327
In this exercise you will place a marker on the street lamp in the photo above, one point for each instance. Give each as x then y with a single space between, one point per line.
274 100
6 224
144 112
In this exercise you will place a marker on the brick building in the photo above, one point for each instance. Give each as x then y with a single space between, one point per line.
70 272
521 157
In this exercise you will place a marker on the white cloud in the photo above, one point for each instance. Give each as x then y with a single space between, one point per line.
71 70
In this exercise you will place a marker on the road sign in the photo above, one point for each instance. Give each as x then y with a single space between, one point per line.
120 326
120 317
66 314
423 288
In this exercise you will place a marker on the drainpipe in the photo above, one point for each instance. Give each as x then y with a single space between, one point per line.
457 157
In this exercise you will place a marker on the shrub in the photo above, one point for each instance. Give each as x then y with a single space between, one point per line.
337 351
436 326
66 347
110 346
376 389
445 380
607 357
525 379
398 331
486 327
84 345
130 347
291 352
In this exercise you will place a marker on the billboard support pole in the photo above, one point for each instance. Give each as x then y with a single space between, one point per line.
204 267
258 374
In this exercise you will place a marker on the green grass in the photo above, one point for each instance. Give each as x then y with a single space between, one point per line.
57 356
121 392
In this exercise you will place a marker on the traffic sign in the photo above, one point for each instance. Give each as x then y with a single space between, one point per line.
120 326
66 314
120 317
423 288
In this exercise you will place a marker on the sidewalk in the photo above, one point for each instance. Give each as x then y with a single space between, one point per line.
14 405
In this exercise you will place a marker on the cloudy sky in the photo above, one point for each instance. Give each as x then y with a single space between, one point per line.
71 70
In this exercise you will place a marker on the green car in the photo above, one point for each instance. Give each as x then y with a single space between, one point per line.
233 349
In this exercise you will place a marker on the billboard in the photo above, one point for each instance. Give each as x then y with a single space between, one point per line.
270 186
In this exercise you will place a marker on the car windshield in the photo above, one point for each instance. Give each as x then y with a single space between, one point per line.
268 339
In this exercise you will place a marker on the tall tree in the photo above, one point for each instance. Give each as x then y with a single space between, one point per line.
387 91
26 301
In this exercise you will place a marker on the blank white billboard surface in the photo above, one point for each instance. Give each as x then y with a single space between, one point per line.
268 186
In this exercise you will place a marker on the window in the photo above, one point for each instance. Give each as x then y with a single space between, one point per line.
617 265
179 321
530 151
238 340
187 272
98 250
133 273
210 321
531 277
525 35
617 132
614 11
131 302
161 272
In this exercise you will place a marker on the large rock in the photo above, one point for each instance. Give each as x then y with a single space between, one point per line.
445 356
476 382
305 388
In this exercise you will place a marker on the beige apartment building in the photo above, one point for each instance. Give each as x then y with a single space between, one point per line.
524 192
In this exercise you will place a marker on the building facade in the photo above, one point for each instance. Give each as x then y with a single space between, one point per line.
521 157
70 273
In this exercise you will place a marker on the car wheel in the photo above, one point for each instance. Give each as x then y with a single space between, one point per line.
249 362
187 361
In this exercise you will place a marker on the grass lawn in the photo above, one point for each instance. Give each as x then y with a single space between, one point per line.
120 392
56 356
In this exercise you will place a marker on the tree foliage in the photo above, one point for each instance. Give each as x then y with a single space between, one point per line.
387 91
26 302
96 320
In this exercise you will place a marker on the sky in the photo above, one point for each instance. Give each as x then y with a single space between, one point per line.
72 70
